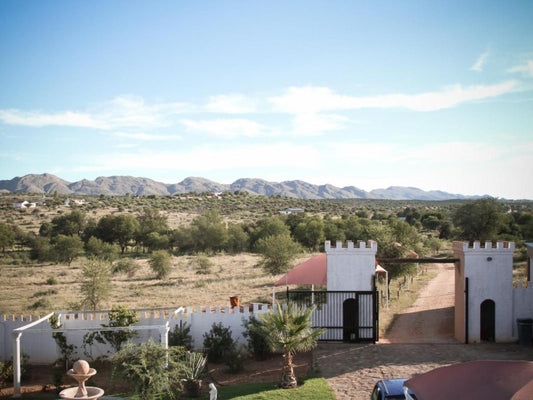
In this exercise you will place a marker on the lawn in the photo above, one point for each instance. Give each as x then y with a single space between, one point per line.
312 389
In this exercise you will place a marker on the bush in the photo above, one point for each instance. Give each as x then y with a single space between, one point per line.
257 341
235 361
119 316
41 304
51 281
149 367
218 343
203 264
6 371
181 336
125 266
160 263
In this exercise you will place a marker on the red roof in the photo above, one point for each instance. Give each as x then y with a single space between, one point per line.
310 272
504 379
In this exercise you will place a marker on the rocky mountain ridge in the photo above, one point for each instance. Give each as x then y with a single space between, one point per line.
122 185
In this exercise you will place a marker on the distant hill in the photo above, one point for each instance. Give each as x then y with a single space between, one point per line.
122 185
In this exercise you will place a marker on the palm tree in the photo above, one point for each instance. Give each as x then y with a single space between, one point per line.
289 330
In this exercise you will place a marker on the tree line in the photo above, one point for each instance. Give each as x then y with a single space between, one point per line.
278 238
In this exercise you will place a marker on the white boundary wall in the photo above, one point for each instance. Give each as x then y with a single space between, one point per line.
41 348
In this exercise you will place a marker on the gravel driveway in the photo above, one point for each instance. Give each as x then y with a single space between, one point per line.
420 339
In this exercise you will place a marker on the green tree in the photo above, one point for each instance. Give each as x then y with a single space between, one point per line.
238 239
289 331
7 236
355 227
479 219
97 248
395 238
151 222
272 226
209 232
182 239
67 248
160 263
71 224
40 249
96 283
156 241
310 233
334 229
45 229
277 251
120 229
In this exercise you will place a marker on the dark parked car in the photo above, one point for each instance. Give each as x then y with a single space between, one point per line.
389 389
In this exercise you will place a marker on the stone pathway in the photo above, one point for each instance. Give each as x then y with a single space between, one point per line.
352 369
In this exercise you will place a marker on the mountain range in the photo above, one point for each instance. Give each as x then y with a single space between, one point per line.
122 185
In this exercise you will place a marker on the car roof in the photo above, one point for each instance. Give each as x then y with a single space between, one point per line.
393 386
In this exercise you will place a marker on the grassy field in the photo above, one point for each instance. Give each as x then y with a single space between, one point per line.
30 288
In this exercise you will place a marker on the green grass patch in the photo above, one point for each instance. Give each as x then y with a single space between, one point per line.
311 389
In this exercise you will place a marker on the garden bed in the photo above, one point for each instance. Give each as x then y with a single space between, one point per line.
37 380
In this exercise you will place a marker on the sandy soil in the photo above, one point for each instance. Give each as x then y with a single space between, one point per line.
430 318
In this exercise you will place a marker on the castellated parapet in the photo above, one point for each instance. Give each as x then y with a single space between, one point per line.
351 267
488 246
485 308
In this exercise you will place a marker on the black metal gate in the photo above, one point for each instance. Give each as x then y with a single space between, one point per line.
349 316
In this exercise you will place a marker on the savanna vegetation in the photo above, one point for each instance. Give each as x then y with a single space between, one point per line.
123 250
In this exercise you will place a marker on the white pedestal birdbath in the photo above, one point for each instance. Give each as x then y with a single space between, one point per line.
81 372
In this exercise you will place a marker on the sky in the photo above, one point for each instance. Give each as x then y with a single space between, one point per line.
431 94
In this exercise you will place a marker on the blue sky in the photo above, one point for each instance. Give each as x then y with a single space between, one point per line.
431 94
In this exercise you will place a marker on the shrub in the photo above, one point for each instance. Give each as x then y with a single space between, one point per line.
257 340
51 281
41 304
203 264
96 283
218 343
160 263
181 336
125 266
235 361
149 367
119 316
6 371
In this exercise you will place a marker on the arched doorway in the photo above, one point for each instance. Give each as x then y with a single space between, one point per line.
488 321
350 320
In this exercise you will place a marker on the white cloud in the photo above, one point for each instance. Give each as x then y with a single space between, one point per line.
146 136
38 119
309 124
121 112
480 62
526 68
312 99
227 128
231 104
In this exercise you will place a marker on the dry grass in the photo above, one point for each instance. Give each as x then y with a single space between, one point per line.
230 275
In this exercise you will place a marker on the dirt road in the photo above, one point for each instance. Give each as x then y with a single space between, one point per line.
430 318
